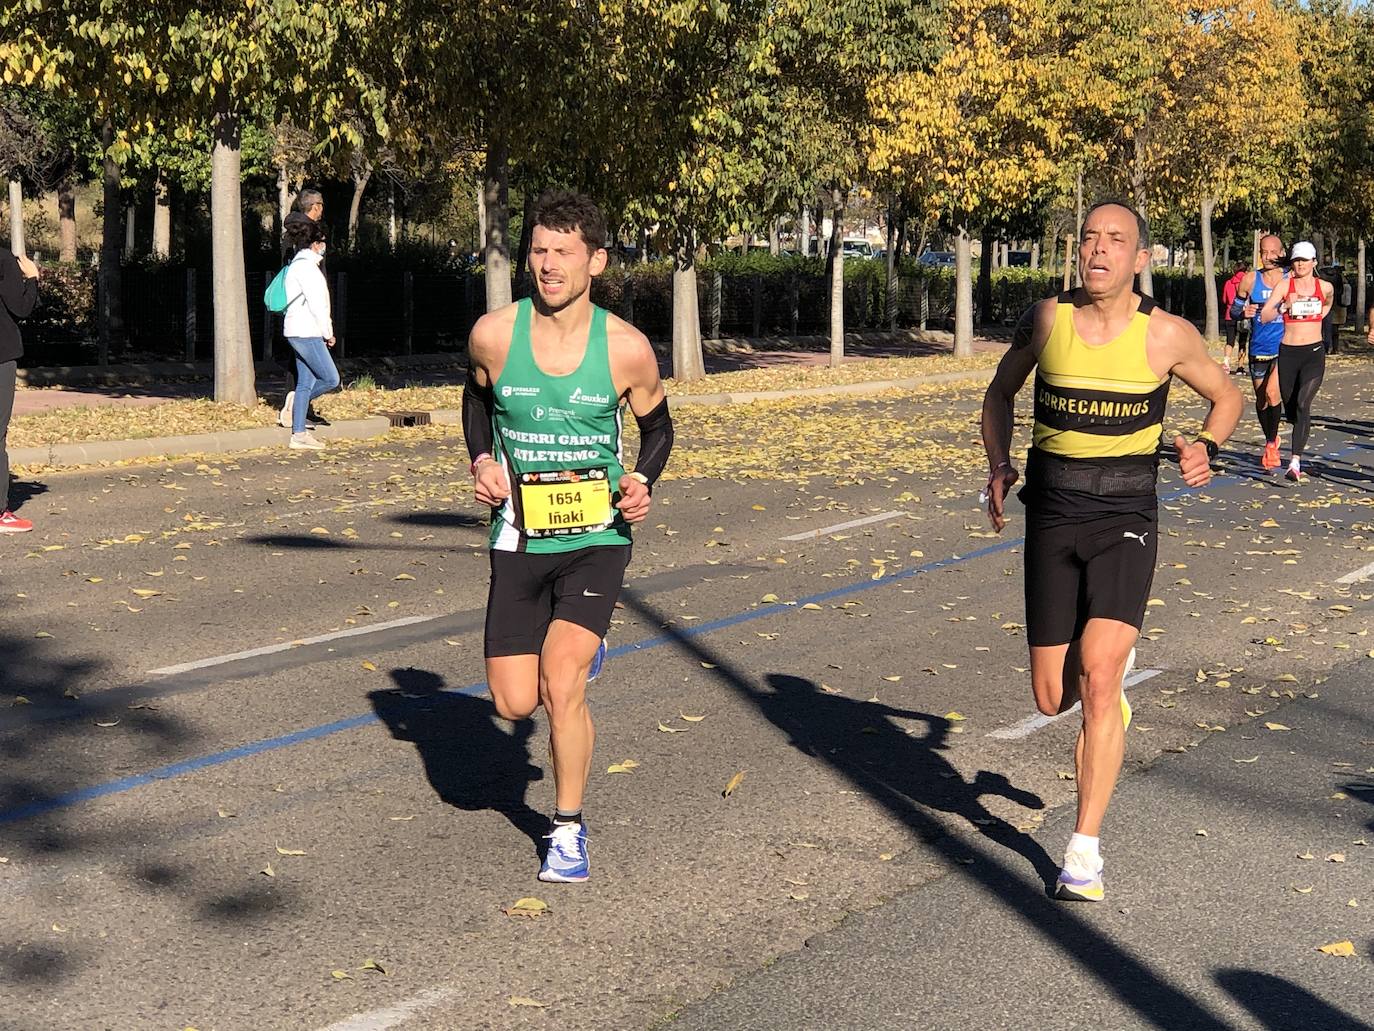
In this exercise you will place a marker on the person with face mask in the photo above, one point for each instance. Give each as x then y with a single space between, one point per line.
309 327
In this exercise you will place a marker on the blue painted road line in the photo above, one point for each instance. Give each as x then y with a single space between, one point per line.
189 766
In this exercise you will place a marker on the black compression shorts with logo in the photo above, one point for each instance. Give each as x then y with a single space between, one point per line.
529 591
1077 569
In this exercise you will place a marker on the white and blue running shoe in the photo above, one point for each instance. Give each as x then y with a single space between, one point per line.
566 860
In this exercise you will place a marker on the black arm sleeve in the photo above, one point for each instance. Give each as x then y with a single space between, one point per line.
477 406
18 292
655 442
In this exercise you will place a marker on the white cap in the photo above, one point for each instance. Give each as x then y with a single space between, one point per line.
1303 250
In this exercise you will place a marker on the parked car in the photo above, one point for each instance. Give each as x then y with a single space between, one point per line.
940 259
1018 259
856 247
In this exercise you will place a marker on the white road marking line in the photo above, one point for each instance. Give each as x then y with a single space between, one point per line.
391 1016
1031 724
809 534
1363 573
220 660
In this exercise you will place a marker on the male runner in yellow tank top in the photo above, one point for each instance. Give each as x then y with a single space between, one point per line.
542 412
1104 356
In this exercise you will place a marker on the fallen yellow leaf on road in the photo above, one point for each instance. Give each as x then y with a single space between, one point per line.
811 606
1276 726
529 907
372 964
671 730
892 680
770 598
1338 949
371 667
290 851
955 716
622 767
341 975
691 719
733 783
403 576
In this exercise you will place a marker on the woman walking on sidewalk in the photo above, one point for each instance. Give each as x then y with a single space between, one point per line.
308 328
18 297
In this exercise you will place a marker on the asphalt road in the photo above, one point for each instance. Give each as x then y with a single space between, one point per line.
247 750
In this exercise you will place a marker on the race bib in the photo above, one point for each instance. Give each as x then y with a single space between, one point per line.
1305 307
565 501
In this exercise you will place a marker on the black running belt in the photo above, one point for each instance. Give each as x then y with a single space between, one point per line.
1105 477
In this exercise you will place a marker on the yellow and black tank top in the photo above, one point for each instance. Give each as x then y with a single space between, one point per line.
1098 401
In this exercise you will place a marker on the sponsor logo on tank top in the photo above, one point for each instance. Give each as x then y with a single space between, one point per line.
579 397
508 391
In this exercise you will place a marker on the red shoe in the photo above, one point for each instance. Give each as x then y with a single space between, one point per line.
11 523
1270 459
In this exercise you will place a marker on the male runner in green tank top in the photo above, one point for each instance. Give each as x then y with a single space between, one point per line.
542 417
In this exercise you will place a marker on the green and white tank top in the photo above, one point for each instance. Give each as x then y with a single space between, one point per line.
558 438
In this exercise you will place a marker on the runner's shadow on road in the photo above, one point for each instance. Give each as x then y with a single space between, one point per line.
472 761
22 491
863 741
1279 1004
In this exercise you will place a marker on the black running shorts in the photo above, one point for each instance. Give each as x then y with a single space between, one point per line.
529 591
1091 568
1260 367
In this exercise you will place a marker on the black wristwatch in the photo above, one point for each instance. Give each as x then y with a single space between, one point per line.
1210 445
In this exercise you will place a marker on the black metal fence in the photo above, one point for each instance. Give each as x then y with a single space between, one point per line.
169 309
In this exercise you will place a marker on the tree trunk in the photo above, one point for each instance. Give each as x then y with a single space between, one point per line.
804 232
963 294
391 215
901 229
1070 263
285 196
1319 242
522 259
481 218
111 329
985 277
1360 310
1035 256
1078 207
774 243
837 278
688 363
233 343
361 176
890 294
17 218
66 216
1209 271
1147 280
162 218
130 225
496 200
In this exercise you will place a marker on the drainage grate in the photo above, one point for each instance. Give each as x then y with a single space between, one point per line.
401 419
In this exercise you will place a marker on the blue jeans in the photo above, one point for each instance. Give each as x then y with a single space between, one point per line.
315 375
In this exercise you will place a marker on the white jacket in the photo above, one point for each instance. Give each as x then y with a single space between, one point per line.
307 313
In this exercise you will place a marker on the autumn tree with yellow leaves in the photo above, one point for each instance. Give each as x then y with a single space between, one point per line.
983 135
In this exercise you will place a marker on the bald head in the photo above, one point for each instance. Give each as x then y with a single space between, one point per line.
1270 250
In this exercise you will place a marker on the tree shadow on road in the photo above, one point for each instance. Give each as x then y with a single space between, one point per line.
1280 1005
472 761
861 741
907 795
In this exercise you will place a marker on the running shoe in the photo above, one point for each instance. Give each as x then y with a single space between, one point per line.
566 860
11 523
284 417
1125 705
1270 459
1293 474
1078 881
306 441
598 660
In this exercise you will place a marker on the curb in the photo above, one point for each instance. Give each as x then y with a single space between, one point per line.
66 456
97 452
866 387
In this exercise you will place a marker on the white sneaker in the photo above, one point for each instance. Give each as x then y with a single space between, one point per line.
306 441
284 419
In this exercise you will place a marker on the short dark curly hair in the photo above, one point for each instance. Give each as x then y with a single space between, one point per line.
565 210
300 234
